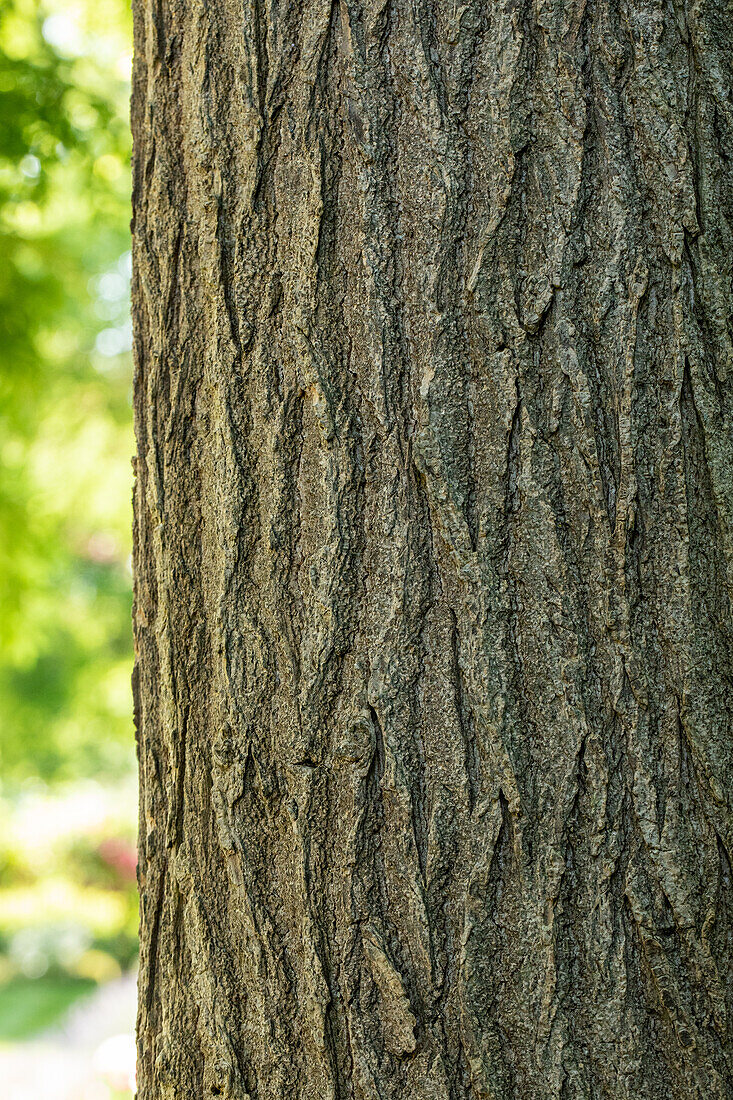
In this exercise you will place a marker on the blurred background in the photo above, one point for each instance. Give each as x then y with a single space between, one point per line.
68 904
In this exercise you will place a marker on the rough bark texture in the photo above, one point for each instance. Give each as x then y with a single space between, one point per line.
434 548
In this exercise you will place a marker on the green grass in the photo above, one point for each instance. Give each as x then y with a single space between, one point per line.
28 1006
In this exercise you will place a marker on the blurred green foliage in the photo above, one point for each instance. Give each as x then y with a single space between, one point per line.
68 898
25 1010
65 376
68 903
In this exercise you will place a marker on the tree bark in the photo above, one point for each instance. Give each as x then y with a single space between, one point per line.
434 548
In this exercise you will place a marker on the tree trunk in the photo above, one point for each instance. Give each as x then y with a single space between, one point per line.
434 548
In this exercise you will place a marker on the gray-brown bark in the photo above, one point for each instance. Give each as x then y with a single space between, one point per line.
434 518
